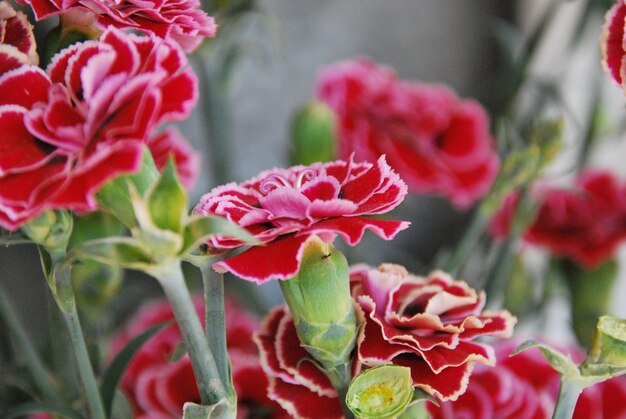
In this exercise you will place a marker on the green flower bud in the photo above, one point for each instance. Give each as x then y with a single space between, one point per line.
52 230
313 134
609 343
381 392
320 304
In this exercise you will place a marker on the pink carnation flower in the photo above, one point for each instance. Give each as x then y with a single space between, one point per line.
427 324
84 121
613 43
526 387
158 388
180 20
435 141
282 208
17 41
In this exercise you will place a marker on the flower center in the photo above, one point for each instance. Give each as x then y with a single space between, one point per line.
279 181
377 396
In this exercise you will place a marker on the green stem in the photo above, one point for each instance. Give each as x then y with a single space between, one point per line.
215 321
24 346
64 295
202 361
468 242
568 396
497 276
340 377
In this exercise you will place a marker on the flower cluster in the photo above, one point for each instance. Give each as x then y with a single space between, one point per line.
282 208
182 20
85 120
437 142
158 387
585 224
525 386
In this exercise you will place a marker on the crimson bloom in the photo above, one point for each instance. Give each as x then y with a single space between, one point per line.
183 21
437 142
17 41
85 120
525 386
585 223
295 382
427 324
282 208
613 42
158 388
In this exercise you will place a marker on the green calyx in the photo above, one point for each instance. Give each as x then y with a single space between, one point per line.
381 392
320 304
52 230
609 344
313 134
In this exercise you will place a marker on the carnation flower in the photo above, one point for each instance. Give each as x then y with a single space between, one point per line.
612 42
180 20
584 224
282 208
157 387
85 120
526 387
437 142
17 41
299 386
171 143
426 324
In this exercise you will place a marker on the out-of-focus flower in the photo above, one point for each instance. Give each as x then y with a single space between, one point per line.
282 208
180 20
171 143
584 224
157 387
526 387
612 43
295 383
426 324
501 222
17 41
437 142
84 121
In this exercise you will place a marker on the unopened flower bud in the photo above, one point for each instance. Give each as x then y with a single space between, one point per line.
51 229
609 343
381 392
320 304
313 134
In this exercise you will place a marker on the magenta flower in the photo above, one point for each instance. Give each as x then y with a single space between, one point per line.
158 388
437 142
427 324
612 43
525 386
295 383
180 20
17 41
85 121
282 208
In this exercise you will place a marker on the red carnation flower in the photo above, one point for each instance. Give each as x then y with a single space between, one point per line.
526 387
437 142
613 42
158 388
284 207
171 143
183 21
17 41
295 383
84 121
426 324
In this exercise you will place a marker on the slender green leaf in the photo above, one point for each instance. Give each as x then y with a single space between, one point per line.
113 374
562 363
200 228
167 200
39 407
117 251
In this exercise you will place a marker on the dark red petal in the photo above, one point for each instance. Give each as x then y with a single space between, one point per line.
24 86
279 259
353 228
612 41
18 149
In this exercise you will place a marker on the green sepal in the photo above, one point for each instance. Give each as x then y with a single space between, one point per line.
608 351
115 196
223 409
382 392
167 200
199 228
125 252
330 344
52 230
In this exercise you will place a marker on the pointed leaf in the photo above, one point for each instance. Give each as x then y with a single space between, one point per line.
115 196
167 200
223 409
562 363
27 409
199 228
117 251
113 374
